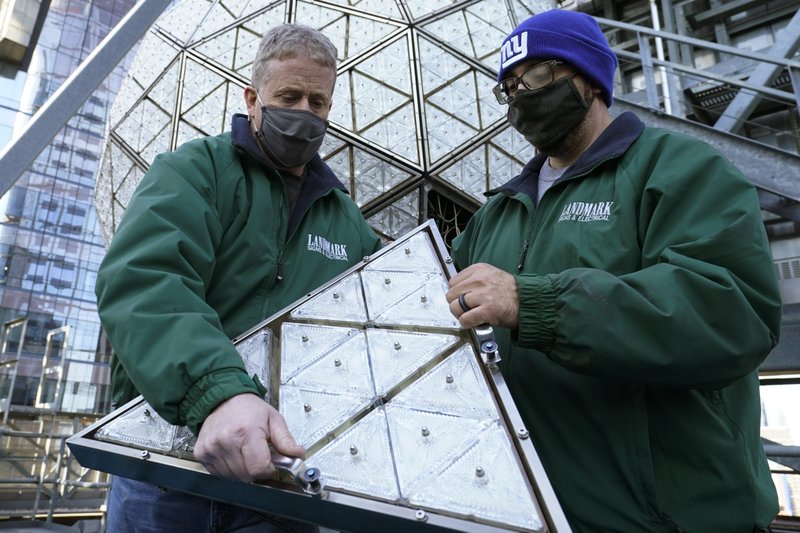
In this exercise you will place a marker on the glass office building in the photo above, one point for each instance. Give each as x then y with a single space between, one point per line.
50 242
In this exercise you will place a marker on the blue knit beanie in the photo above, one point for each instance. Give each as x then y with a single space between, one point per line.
569 36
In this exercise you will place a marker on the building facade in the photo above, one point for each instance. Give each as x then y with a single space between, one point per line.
50 243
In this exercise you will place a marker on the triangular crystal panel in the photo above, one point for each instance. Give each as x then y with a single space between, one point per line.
416 255
256 352
422 441
312 414
426 304
399 217
375 100
344 369
303 344
360 460
144 125
383 290
143 427
343 301
485 471
374 7
404 422
455 386
396 355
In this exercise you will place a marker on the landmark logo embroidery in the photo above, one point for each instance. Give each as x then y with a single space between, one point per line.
586 211
514 49
331 250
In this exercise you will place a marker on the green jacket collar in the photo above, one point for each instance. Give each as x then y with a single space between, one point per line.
319 180
613 142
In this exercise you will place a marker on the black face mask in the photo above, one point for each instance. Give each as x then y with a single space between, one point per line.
547 115
290 137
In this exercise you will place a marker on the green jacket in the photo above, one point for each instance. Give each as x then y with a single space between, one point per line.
647 301
206 250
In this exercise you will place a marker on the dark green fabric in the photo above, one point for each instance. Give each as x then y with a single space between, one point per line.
195 262
647 301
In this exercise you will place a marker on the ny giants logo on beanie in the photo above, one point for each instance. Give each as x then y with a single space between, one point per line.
514 49
568 36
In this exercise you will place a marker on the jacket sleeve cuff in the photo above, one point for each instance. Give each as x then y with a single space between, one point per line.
213 389
537 312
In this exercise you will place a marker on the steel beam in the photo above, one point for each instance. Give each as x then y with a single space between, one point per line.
774 171
19 155
788 456
719 13
738 111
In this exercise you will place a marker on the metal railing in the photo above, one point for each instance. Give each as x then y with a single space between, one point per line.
677 74
39 478
45 400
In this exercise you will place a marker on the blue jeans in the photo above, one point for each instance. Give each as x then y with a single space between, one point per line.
137 507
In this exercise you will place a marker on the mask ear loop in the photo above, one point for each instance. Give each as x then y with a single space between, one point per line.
251 118
258 96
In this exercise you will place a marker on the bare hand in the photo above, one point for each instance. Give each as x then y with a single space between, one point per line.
234 439
490 293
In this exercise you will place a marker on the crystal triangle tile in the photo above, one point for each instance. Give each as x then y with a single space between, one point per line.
489 483
455 386
422 440
360 460
220 15
446 132
343 301
415 255
390 65
396 132
344 369
311 415
375 100
164 92
302 344
460 99
181 24
256 351
399 217
145 123
420 8
365 32
143 427
376 7
375 176
395 355
220 48
342 111
384 290
426 306
205 114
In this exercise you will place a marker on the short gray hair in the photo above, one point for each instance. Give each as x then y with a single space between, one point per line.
288 41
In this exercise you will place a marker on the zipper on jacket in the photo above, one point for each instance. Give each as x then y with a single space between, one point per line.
523 254
279 272
526 244
278 266
532 230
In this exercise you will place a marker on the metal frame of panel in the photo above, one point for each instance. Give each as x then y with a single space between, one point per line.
335 507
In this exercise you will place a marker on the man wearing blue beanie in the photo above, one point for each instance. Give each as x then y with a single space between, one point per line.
628 278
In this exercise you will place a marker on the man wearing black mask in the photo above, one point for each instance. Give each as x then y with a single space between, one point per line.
221 234
628 277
